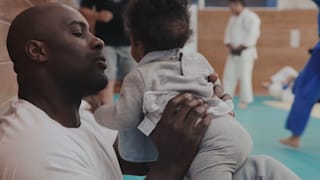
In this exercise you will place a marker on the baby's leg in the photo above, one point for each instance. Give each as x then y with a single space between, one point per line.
264 168
224 148
217 172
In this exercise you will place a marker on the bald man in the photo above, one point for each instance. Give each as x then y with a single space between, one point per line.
45 136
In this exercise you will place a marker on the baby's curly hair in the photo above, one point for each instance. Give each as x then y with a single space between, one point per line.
159 24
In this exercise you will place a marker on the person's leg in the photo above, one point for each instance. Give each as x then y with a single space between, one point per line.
230 77
126 62
106 94
264 168
297 120
224 148
245 74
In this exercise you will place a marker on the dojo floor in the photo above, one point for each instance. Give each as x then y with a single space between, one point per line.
265 122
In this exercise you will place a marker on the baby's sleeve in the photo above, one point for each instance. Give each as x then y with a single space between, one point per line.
206 67
126 113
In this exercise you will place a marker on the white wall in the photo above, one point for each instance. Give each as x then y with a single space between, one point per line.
296 4
192 45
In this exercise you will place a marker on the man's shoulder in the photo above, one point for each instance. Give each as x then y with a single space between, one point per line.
25 120
20 143
16 119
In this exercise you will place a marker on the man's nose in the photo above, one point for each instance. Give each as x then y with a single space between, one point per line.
98 43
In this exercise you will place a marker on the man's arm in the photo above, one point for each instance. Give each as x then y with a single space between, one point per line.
86 9
92 15
178 124
173 127
131 168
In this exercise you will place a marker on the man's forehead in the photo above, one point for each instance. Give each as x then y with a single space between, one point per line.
66 15
70 20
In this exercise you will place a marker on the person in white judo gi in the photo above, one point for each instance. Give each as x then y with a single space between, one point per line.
281 83
242 34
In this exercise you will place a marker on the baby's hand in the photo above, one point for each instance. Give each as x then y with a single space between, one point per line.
226 97
218 89
213 78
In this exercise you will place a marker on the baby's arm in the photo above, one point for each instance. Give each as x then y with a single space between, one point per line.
127 112
210 73
226 105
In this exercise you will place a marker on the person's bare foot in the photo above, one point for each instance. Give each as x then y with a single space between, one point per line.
242 105
265 85
293 141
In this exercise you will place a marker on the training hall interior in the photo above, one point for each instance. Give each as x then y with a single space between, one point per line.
288 34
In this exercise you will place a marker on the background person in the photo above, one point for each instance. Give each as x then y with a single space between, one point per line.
106 17
281 83
242 33
307 93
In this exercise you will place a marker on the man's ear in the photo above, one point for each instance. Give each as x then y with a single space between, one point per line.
37 51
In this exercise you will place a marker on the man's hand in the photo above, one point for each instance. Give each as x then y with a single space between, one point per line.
178 136
218 89
105 16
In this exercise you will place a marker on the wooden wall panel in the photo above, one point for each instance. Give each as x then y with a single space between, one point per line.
274 45
4 26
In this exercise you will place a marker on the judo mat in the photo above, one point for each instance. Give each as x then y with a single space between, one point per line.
287 105
265 123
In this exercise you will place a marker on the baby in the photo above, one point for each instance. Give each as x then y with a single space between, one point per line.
159 29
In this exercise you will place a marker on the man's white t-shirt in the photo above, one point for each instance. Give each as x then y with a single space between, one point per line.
35 147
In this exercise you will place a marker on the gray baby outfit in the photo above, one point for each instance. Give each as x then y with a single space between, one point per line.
146 90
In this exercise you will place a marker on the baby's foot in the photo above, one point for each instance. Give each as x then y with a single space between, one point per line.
293 141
